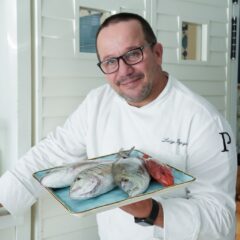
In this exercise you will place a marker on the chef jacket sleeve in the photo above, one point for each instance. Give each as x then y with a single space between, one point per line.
18 189
208 211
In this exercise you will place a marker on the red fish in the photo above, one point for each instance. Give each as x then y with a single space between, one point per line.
162 173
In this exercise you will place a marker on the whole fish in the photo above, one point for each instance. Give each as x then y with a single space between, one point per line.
92 182
161 172
131 175
64 176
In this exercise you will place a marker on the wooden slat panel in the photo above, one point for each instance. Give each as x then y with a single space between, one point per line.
216 3
70 68
133 5
87 233
51 207
58 48
194 72
49 124
167 22
170 55
60 106
218 29
168 39
218 58
192 10
58 28
207 88
65 8
56 226
69 86
218 44
132 10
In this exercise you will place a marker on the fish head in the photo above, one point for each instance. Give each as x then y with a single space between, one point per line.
83 187
131 185
126 184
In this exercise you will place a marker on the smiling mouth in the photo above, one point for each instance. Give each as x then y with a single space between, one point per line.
127 83
130 80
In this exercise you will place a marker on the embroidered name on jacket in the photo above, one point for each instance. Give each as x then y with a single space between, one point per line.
178 141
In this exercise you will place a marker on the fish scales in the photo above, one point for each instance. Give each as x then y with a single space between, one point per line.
131 175
64 176
92 182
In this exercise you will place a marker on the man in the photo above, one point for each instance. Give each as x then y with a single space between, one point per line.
158 115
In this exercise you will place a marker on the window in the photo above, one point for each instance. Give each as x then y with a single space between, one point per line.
89 22
194 41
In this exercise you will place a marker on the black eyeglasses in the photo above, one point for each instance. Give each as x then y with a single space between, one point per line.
131 57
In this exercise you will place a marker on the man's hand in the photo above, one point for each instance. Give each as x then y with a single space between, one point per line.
142 209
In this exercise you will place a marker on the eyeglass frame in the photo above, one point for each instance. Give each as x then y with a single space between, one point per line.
141 48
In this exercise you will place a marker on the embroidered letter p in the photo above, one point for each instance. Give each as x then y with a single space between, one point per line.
226 140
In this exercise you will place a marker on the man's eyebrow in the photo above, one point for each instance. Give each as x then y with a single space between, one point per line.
126 50
108 57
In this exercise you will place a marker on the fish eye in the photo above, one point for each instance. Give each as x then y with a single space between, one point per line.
125 180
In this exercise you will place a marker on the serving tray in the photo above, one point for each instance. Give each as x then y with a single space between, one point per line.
116 197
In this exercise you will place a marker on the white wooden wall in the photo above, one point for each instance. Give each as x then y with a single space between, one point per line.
210 79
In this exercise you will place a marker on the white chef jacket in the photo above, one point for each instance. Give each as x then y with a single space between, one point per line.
178 127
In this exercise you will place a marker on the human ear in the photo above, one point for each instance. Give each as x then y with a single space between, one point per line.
158 52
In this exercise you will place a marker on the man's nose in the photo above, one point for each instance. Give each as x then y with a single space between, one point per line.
124 67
